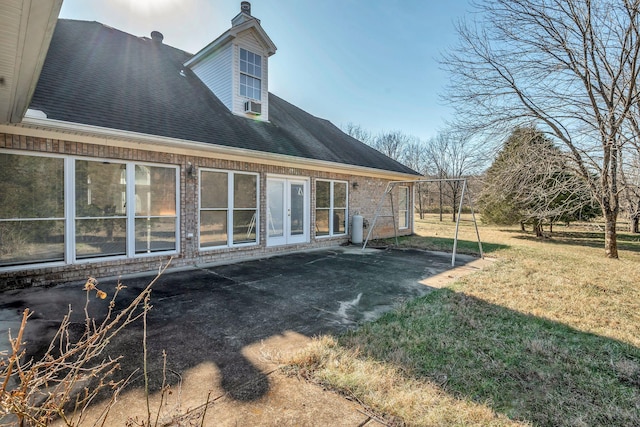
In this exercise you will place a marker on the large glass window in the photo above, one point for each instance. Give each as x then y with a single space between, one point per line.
331 208
250 74
403 207
155 217
110 209
101 218
228 208
32 219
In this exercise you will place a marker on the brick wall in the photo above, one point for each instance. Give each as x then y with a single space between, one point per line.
364 196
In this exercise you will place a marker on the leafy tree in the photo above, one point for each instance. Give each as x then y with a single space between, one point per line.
530 182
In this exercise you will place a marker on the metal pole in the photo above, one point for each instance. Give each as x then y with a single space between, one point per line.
455 240
393 218
375 216
475 223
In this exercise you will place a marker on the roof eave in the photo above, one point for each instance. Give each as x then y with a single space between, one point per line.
229 35
39 127
24 53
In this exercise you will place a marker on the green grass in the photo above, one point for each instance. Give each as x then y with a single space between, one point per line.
547 335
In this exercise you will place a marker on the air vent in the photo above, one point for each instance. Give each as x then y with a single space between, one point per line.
253 107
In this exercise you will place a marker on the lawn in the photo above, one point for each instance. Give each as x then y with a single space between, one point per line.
548 334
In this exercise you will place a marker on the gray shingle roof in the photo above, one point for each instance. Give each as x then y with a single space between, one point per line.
100 76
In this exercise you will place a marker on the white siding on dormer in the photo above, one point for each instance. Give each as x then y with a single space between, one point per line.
216 73
247 40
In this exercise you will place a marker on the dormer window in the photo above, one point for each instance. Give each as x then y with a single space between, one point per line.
250 74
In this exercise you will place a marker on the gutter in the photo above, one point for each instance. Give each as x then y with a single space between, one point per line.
74 132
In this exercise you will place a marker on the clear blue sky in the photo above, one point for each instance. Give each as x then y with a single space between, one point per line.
372 63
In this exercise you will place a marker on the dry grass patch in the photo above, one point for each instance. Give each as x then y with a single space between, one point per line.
547 335
385 389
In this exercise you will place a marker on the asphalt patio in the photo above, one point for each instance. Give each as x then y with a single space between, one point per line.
227 328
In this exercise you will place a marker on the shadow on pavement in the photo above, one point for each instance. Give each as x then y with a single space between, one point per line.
212 314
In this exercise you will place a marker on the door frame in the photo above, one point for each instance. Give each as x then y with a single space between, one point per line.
287 238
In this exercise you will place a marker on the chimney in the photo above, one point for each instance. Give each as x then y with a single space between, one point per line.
157 37
245 7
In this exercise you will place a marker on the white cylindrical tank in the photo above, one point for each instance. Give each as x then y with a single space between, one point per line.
356 229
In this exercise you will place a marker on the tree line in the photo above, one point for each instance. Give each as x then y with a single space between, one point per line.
567 68
552 85
446 157
527 179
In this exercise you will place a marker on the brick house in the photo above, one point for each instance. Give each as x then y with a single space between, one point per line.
121 152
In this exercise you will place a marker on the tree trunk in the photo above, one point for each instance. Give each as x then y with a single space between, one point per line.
522 227
550 227
635 219
609 203
610 234
537 227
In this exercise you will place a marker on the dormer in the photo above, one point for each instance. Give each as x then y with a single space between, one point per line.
235 66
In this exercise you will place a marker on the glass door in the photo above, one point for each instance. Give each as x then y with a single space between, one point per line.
287 211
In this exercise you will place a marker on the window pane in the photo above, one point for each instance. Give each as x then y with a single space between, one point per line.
403 197
322 222
275 211
243 54
244 191
257 89
24 242
339 221
323 194
100 189
297 209
32 187
100 237
244 226
213 228
155 191
339 195
155 234
402 221
214 190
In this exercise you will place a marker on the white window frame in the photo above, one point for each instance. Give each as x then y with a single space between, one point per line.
332 207
70 213
253 81
130 194
230 209
403 211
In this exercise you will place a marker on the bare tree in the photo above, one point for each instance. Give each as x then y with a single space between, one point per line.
394 144
357 132
569 67
451 155
630 177
415 157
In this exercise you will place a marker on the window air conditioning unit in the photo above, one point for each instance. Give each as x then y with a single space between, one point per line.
253 107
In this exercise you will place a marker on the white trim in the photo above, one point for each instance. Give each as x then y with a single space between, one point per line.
288 238
229 209
231 34
406 208
332 208
70 195
73 132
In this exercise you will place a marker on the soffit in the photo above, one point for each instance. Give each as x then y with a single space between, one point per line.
26 27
